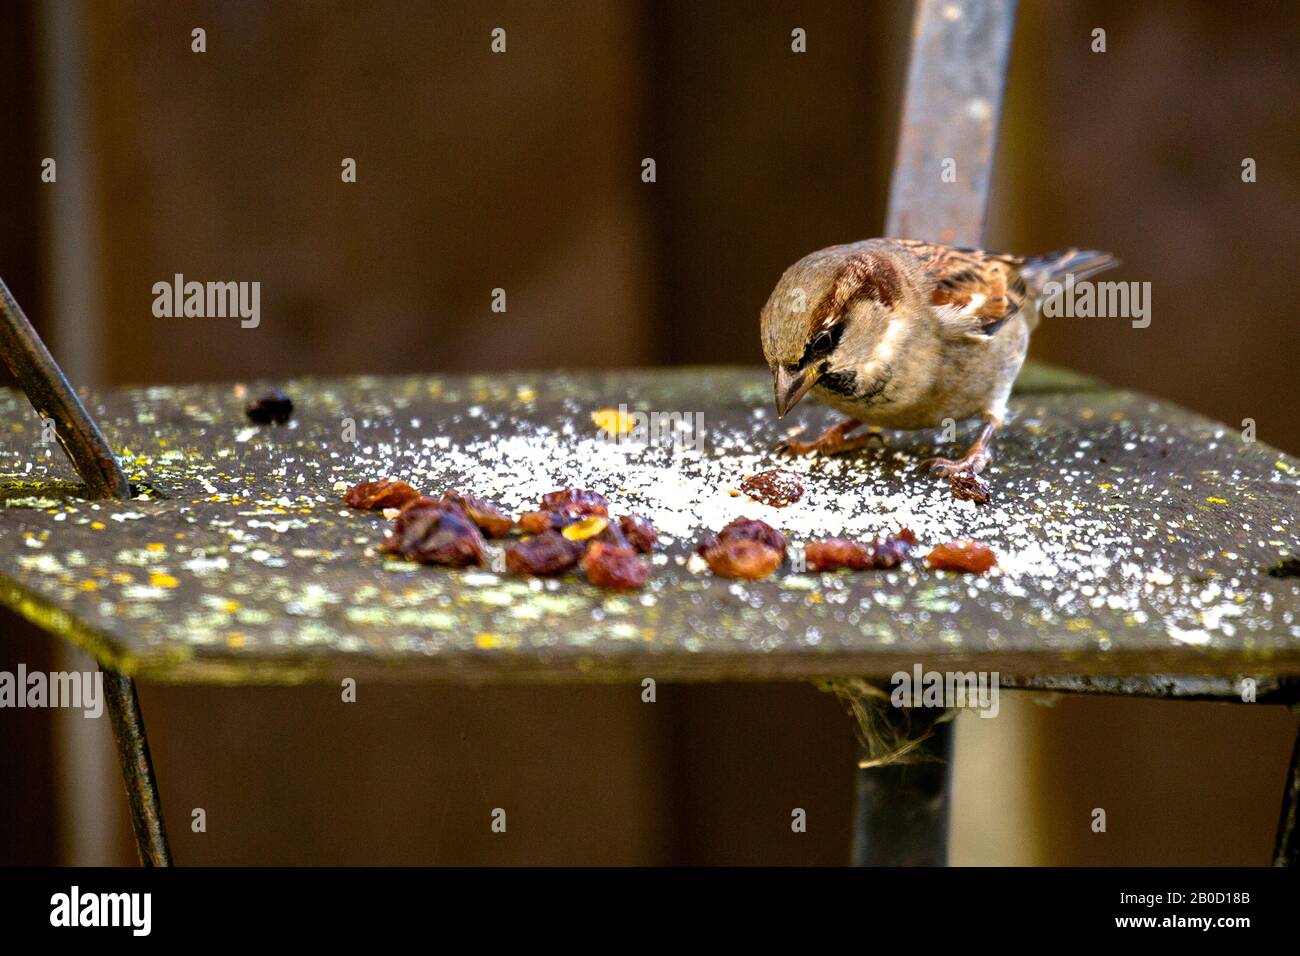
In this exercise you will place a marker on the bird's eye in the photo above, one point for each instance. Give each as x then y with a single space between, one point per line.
822 342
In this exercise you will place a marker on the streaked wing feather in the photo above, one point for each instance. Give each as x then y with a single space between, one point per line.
975 292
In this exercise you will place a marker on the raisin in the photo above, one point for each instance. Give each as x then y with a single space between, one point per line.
575 501
536 522
967 486
491 520
832 554
639 532
777 487
378 495
893 551
436 533
546 553
965 556
747 529
615 568
275 408
742 558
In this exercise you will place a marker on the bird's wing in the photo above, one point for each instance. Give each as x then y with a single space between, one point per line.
975 292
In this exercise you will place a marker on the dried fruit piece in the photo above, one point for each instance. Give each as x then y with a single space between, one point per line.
537 522
546 553
585 528
965 556
640 533
742 558
276 407
436 532
777 487
831 554
614 567
968 486
494 522
575 501
892 551
746 529
378 495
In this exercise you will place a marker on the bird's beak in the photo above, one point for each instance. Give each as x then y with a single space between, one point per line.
792 385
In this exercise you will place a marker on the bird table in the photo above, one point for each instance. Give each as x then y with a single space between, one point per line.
1135 540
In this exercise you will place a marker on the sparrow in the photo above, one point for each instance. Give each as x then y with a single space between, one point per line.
902 333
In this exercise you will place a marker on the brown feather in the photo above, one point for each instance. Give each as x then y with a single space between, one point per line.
962 274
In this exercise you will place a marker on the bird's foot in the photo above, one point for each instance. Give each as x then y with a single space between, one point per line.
833 441
972 463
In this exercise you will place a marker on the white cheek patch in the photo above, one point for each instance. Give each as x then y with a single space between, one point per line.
887 347
975 304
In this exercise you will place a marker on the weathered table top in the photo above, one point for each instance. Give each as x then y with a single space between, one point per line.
1133 537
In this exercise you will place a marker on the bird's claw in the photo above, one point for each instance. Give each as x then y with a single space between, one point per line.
972 464
833 441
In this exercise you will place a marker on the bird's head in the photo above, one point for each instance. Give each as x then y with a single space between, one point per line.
826 318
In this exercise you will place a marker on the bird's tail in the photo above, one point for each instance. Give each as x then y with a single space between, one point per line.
1055 266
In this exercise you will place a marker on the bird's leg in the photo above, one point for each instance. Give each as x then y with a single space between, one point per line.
832 441
976 457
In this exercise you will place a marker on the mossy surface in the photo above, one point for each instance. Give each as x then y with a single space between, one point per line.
1136 538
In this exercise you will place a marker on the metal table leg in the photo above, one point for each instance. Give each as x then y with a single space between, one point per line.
900 812
1286 849
137 770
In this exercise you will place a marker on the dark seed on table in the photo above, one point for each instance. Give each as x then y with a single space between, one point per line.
275 408
777 487
378 495
615 568
1288 567
546 553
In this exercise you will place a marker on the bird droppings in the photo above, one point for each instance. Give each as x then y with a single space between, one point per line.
263 574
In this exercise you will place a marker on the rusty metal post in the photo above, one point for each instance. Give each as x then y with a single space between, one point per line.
940 191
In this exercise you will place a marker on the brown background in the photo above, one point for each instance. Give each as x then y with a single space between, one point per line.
522 171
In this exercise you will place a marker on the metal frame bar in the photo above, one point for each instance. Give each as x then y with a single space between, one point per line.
137 770
955 81
1286 846
48 390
